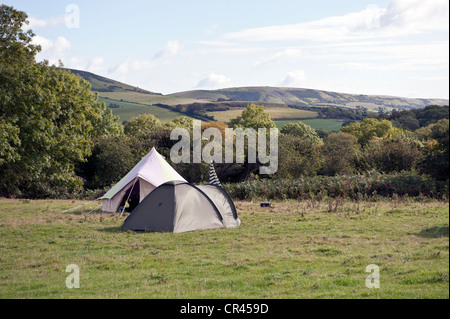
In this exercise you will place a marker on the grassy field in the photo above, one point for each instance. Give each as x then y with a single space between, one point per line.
128 110
275 113
147 99
325 124
293 250
164 115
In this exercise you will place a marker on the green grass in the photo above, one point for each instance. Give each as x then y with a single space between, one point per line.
162 114
148 99
128 110
292 250
325 124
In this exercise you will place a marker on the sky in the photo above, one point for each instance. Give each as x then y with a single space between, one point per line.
383 47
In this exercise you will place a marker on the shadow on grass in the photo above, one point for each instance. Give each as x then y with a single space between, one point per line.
434 232
113 230
118 230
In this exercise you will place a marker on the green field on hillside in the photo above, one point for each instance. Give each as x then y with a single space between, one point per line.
304 249
128 110
147 99
162 114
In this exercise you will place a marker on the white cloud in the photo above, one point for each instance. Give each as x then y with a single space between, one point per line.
285 55
214 81
211 29
399 56
35 23
94 64
52 50
401 17
130 64
217 43
171 49
294 79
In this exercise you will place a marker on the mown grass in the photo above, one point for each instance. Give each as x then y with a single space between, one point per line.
306 249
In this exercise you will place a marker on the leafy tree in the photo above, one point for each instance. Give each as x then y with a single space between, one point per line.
341 153
407 122
297 157
415 118
9 142
112 158
184 122
15 43
142 125
48 117
432 114
301 130
254 116
370 128
436 158
391 154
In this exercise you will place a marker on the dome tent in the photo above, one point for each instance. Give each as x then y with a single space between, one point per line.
179 206
151 172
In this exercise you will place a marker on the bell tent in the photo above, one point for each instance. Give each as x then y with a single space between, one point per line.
151 172
179 207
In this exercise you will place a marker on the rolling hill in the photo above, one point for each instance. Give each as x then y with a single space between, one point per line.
102 84
309 98
283 104
127 101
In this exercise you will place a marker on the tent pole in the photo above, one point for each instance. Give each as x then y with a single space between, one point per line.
131 190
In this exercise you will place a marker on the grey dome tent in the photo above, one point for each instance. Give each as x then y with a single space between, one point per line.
178 206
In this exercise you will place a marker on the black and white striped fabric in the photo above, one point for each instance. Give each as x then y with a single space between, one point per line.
213 179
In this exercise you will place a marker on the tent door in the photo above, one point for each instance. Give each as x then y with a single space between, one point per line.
131 198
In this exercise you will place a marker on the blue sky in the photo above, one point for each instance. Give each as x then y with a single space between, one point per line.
388 47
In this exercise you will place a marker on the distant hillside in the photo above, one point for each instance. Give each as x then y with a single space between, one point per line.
283 104
308 97
102 84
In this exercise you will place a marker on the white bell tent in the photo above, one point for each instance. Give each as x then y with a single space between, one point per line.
151 172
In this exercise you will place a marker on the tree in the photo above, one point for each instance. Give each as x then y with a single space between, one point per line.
370 128
407 122
112 158
48 117
184 122
341 153
297 157
436 154
432 114
254 116
142 125
301 130
9 142
15 43
391 154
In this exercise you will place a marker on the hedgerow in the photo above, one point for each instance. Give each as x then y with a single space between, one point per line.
365 186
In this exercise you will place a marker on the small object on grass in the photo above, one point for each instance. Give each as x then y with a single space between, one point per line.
266 204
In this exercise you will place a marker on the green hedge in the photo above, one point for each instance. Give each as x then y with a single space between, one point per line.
354 187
